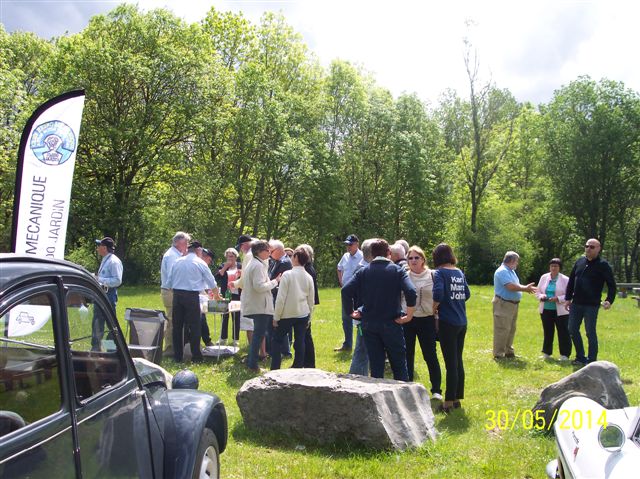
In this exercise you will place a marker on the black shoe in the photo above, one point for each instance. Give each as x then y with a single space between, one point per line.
577 362
342 348
444 409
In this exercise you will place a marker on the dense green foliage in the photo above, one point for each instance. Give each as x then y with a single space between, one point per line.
224 127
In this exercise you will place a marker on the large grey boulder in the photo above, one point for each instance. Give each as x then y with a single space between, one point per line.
599 381
323 407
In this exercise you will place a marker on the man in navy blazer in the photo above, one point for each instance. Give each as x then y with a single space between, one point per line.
378 287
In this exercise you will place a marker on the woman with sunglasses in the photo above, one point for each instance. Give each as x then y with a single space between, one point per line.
423 324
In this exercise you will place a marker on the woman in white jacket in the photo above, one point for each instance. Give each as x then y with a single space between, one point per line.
294 305
256 300
553 311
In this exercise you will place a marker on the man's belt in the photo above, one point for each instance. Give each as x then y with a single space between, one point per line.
507 300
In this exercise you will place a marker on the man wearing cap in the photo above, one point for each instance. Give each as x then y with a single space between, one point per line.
189 276
110 277
348 265
177 250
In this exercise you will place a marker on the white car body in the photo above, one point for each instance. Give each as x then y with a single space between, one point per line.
580 454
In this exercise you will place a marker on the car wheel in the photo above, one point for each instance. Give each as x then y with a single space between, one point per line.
207 464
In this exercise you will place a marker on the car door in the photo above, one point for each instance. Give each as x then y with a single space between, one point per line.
36 426
113 433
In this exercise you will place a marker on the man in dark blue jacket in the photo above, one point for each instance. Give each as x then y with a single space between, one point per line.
584 292
378 288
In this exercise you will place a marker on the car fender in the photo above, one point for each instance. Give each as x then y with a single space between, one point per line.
191 411
576 430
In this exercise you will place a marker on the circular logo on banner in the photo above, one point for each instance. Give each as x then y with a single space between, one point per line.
53 142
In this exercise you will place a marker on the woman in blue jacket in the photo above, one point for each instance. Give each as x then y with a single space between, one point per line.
450 292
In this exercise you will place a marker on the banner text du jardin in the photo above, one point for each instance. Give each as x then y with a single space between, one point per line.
44 176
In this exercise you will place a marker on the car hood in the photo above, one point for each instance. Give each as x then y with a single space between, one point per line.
577 430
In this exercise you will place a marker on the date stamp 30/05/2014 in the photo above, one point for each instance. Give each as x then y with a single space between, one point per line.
530 420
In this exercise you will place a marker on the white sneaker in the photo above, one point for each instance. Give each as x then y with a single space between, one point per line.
235 344
221 342
545 356
436 396
563 358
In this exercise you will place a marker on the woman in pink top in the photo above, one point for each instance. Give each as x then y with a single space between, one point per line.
553 311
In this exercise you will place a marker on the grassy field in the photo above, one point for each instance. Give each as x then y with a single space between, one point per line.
465 448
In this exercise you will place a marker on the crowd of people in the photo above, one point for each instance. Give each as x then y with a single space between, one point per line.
276 286
394 298
389 295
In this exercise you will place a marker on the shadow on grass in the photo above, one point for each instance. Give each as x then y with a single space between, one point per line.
512 363
343 355
238 373
293 442
456 422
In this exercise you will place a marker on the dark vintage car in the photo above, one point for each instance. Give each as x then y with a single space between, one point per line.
73 403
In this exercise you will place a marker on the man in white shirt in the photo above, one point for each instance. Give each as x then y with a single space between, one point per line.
178 248
348 265
189 276
109 275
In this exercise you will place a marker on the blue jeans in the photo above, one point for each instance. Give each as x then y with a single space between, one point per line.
347 327
382 337
589 313
360 359
97 325
260 324
281 334
309 350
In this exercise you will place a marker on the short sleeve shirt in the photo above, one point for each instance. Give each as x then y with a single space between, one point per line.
349 265
501 278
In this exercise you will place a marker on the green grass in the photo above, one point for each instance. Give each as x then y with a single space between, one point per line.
464 449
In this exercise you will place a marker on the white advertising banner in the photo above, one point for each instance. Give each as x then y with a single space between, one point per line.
44 176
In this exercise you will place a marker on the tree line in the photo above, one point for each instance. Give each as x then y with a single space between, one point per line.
224 127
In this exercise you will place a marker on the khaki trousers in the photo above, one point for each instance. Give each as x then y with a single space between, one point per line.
167 300
505 315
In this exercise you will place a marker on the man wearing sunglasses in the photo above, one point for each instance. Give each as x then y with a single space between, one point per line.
584 292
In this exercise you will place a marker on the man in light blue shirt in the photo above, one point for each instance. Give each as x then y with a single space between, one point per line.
507 295
178 249
189 276
348 265
109 276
